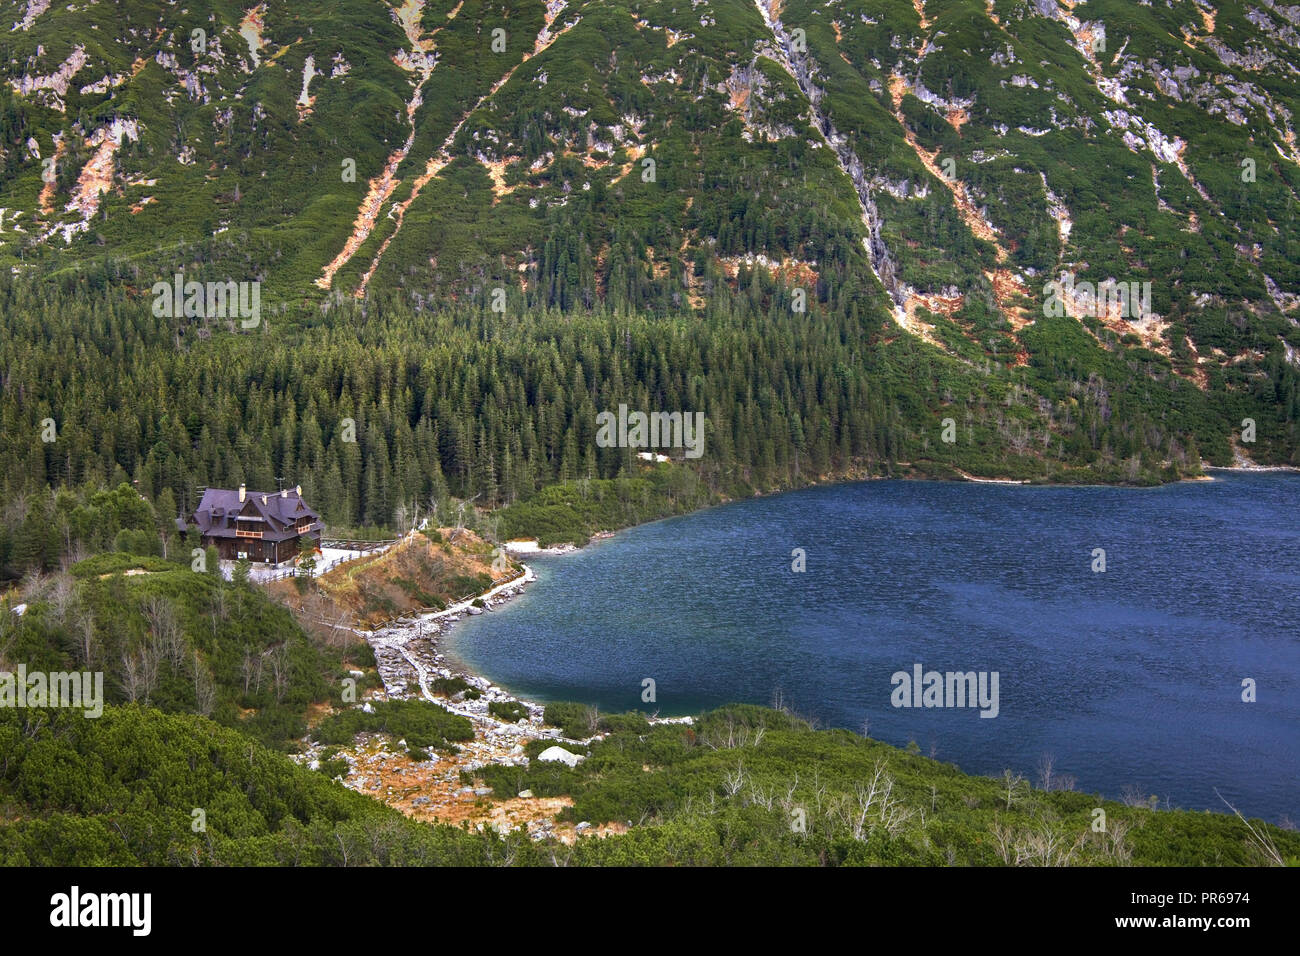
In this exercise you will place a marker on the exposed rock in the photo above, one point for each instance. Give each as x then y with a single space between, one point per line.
559 755
57 82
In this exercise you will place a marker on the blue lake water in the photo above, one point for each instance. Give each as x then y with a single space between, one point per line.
1130 678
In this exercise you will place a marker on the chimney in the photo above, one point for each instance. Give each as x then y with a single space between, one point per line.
284 492
298 490
263 499
242 493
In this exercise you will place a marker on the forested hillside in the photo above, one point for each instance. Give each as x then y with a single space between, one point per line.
376 407
165 636
473 226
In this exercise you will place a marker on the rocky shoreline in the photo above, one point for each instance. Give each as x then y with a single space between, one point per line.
409 659
1253 469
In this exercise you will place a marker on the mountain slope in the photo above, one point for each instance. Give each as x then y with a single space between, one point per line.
892 186
1105 138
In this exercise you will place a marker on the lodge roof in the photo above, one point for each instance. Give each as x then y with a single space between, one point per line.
276 514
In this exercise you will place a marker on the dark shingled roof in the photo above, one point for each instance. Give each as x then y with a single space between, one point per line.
276 514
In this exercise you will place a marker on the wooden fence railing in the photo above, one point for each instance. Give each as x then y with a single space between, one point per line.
345 544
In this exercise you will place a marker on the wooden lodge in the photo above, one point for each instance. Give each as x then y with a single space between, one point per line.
263 527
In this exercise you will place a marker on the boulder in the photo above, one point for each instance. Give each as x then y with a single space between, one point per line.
559 755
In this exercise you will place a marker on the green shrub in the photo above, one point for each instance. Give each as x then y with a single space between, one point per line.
580 721
449 686
574 720
510 711
112 562
421 723
337 767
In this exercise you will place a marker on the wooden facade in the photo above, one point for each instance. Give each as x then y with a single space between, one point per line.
262 527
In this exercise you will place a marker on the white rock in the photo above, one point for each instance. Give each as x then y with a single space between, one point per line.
559 755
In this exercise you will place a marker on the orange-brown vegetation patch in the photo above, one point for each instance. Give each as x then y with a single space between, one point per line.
897 89
1007 288
634 153
497 170
443 797
374 588
47 191
1197 373
794 272
908 319
317 712
380 188
97 175
919 6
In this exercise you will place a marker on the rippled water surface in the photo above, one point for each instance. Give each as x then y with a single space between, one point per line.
1131 678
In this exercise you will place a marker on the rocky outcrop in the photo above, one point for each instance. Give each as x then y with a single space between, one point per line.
559 755
798 65
34 9
56 83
